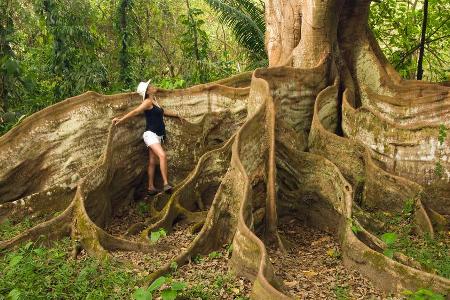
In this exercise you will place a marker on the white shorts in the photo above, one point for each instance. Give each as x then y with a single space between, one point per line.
151 138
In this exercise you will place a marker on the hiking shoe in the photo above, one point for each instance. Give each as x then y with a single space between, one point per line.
152 192
168 188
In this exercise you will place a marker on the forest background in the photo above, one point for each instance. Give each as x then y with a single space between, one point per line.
54 49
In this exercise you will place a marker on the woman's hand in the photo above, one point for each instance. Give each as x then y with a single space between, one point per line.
116 121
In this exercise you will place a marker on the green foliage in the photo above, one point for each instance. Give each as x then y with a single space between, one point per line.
438 169
195 44
246 20
142 208
397 27
197 259
400 236
173 266
71 46
422 294
8 229
431 253
14 294
409 207
51 50
33 272
442 134
389 238
172 83
156 235
222 283
341 292
214 255
229 249
169 293
355 226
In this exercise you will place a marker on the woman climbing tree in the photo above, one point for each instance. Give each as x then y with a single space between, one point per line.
154 134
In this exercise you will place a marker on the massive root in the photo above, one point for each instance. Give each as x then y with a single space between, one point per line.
327 134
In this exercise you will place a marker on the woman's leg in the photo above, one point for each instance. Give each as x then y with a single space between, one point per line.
159 151
151 169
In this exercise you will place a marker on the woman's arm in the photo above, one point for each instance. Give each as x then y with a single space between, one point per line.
174 114
143 106
171 113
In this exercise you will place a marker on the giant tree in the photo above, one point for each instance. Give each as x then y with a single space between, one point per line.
329 132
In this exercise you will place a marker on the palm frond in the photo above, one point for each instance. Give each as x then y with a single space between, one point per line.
253 10
246 20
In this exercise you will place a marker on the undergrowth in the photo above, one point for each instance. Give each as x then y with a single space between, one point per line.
399 233
34 272
8 229
38 272
11 228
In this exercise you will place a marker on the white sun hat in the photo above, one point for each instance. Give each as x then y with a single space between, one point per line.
142 89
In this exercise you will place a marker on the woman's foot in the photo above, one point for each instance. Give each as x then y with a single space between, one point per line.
152 192
168 188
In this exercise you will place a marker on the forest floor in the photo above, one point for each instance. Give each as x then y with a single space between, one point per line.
205 277
312 268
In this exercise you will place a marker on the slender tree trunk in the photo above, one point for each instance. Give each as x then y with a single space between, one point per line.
422 41
124 56
6 28
197 55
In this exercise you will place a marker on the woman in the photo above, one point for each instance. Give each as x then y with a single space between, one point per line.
153 135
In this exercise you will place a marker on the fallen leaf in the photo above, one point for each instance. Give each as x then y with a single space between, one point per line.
291 283
310 273
321 240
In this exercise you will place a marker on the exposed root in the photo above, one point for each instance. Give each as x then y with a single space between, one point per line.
209 171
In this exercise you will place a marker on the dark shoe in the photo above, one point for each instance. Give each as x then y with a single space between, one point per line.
152 192
168 188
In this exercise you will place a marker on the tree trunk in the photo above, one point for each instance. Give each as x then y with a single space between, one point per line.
328 134
422 41
125 40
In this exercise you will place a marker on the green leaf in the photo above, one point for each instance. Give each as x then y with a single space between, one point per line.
15 260
407 292
157 283
389 238
28 245
12 67
154 236
142 294
173 266
39 251
162 232
178 286
246 20
389 252
14 294
356 229
169 295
